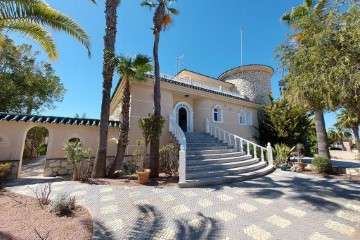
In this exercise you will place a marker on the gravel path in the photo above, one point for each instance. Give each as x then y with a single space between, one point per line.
281 205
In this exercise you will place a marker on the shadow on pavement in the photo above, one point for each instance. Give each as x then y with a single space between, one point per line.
101 232
203 228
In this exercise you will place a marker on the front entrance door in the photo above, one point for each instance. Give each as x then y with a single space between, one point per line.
184 116
183 119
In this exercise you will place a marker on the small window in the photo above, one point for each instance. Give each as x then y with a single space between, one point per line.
217 114
242 117
248 118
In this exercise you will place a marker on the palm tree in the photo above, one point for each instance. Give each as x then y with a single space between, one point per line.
162 18
29 17
298 12
108 72
129 69
349 119
338 134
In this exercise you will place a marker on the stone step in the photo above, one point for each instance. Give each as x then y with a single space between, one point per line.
208 148
224 172
203 152
192 162
210 181
213 156
205 144
218 165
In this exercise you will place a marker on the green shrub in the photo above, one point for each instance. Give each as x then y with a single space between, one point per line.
62 204
321 165
42 150
282 153
5 170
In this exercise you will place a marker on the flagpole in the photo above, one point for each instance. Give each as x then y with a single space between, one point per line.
241 46
241 51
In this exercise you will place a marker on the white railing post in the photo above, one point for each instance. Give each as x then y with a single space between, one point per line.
262 155
248 148
170 123
241 145
270 155
255 155
207 125
182 165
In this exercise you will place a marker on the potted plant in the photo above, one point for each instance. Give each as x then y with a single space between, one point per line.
139 155
282 153
298 148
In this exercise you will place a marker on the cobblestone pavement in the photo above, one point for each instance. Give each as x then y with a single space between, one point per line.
33 167
281 205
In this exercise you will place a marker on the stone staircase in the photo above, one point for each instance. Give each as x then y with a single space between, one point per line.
209 161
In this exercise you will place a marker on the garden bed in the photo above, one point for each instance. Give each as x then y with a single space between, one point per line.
23 218
333 175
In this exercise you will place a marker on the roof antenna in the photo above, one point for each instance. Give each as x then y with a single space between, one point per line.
178 63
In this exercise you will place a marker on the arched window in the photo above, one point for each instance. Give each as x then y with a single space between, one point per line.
217 114
242 117
245 117
248 118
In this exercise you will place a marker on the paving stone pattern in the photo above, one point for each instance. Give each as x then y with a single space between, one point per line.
282 205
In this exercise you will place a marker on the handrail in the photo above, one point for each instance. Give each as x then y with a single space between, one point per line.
179 135
238 142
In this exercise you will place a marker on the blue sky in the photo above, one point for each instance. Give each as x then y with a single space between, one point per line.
206 32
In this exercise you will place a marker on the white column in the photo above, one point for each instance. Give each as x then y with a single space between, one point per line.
207 125
270 156
182 165
170 124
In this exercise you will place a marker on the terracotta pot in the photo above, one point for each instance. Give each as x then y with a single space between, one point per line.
301 165
143 177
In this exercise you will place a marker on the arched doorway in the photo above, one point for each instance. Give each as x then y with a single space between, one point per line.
183 119
34 152
183 115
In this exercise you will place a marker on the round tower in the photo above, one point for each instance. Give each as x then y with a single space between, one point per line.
253 81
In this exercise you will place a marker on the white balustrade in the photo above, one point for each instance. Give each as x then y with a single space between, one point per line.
196 84
179 135
239 142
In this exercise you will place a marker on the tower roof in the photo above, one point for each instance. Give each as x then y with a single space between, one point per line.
243 68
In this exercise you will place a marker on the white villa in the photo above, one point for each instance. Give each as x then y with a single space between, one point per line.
192 103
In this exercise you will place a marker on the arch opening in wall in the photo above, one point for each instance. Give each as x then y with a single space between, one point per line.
184 115
217 114
34 152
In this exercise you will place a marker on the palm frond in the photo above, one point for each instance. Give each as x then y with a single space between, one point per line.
35 32
173 11
39 12
149 4
141 60
308 3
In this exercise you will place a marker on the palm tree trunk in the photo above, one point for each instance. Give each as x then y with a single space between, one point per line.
323 145
155 144
124 131
108 71
355 130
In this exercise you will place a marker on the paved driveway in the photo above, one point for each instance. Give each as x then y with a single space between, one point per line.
282 205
